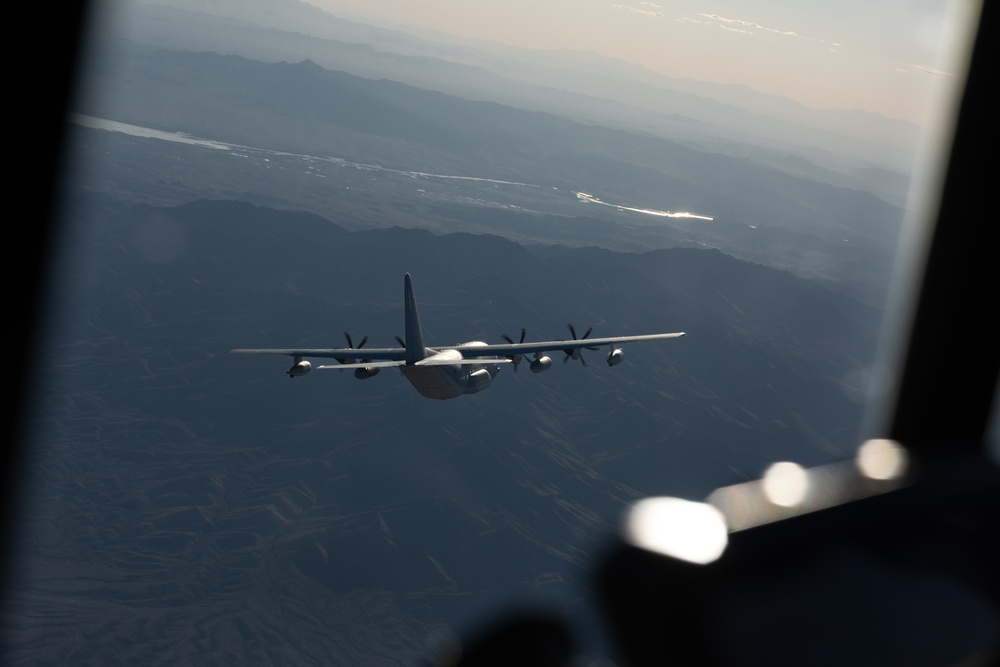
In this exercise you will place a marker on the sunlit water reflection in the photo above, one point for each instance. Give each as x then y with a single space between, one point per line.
590 199
240 150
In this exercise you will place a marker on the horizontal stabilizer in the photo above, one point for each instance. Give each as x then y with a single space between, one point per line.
432 361
369 364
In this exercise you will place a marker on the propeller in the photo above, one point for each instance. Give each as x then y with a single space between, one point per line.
575 353
350 345
401 343
515 359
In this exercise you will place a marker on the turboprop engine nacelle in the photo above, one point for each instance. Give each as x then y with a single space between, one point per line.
616 356
298 368
480 379
540 364
365 373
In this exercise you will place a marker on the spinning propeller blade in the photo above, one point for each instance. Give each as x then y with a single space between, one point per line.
516 359
576 353
350 345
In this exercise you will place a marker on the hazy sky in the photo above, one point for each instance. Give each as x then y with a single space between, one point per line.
883 56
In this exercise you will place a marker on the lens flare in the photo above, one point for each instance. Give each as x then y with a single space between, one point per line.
786 484
882 459
695 532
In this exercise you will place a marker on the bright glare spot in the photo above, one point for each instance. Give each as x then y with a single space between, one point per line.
591 199
695 532
882 459
786 484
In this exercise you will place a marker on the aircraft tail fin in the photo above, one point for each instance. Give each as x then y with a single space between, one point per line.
415 350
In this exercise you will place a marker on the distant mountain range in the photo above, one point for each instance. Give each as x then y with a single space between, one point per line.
578 85
761 213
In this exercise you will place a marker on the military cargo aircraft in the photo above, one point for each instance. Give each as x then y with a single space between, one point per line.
450 371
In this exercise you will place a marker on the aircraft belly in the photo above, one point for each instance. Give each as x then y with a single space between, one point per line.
445 382
432 381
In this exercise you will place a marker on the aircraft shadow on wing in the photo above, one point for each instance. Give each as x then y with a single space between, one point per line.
452 371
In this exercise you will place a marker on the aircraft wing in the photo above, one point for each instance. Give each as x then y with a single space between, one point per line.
373 353
472 353
511 349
